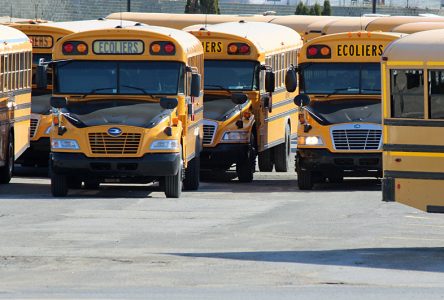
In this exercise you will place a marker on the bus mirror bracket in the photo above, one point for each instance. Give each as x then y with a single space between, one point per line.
302 100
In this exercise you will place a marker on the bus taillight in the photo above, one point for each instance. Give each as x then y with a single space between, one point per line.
169 48
318 51
162 48
238 48
75 48
68 48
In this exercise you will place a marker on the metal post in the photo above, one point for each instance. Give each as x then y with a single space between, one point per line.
374 6
128 5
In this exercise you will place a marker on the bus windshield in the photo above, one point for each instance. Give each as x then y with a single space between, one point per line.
342 78
345 111
119 77
231 75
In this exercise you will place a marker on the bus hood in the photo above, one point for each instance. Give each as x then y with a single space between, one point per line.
115 112
219 108
41 104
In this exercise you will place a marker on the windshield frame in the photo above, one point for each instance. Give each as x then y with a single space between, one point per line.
180 79
339 90
254 80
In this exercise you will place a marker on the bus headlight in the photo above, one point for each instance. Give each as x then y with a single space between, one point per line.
238 136
310 140
164 145
48 130
64 144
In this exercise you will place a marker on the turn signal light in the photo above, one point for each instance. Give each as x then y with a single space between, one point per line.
162 48
75 48
82 48
319 51
55 120
239 48
155 48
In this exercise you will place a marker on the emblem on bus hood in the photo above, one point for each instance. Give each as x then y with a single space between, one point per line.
357 126
114 131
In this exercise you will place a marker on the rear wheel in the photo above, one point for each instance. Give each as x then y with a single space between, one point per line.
59 185
192 174
305 180
265 159
173 184
7 170
282 153
245 168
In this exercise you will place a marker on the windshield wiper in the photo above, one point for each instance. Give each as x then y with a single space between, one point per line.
136 88
93 91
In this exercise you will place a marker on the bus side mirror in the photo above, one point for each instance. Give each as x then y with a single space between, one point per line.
239 99
302 100
58 102
195 85
291 82
41 77
269 82
169 103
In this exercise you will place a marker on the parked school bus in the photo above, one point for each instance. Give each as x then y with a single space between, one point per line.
129 109
43 37
413 97
252 64
15 98
418 26
340 111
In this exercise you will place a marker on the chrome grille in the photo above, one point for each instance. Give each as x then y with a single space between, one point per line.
126 143
33 128
357 139
208 133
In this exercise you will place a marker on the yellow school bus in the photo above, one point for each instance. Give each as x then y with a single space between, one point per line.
253 61
340 109
386 24
15 97
43 37
129 109
413 112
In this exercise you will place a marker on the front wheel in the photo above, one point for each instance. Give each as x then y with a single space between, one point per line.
173 184
265 159
245 169
7 170
59 185
282 153
192 174
305 180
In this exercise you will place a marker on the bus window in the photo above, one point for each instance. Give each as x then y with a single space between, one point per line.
436 94
230 74
407 92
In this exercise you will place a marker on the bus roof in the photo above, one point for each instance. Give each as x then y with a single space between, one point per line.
420 46
388 23
70 27
297 22
342 35
347 24
265 37
318 26
10 36
418 26
179 21
6 20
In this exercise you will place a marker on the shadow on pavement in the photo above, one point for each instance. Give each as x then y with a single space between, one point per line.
414 259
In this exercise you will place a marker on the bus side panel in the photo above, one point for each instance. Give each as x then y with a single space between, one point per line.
195 130
22 114
411 192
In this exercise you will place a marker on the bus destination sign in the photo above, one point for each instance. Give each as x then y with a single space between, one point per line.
360 50
118 47
212 46
41 41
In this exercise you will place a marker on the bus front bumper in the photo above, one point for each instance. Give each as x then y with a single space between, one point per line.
346 164
223 155
150 165
37 153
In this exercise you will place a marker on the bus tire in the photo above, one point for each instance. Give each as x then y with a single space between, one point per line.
265 160
7 170
192 174
173 184
59 185
305 180
282 153
245 169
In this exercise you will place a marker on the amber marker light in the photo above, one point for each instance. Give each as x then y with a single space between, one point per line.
232 48
325 51
82 48
155 48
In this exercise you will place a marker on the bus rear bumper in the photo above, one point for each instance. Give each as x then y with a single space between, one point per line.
150 165
345 164
223 155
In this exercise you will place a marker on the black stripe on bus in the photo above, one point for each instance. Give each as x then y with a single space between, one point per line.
435 209
281 103
281 115
15 93
413 148
414 175
414 123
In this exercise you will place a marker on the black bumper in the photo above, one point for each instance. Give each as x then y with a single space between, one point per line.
150 165
38 152
223 155
328 163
